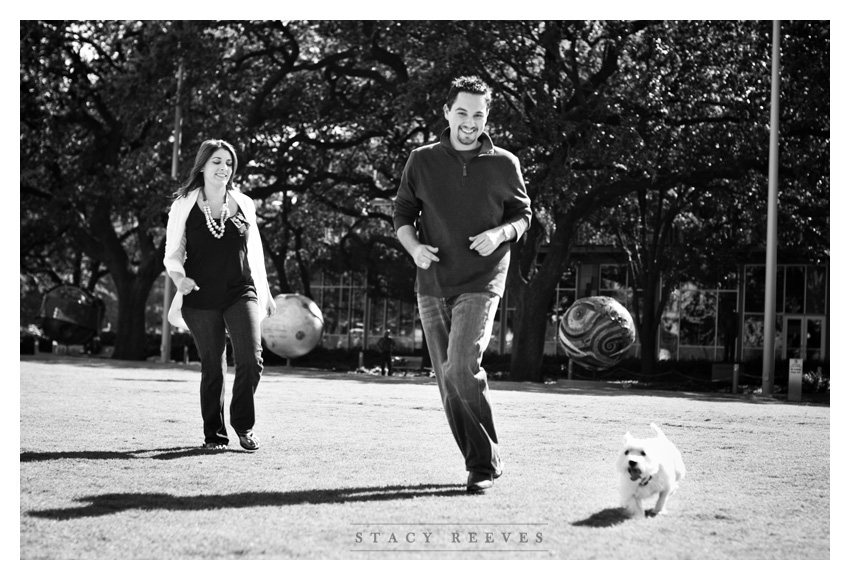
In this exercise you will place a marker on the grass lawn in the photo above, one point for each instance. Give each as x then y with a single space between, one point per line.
364 467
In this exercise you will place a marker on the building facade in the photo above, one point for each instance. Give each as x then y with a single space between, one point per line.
720 323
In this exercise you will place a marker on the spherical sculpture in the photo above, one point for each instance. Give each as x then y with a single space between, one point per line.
296 327
70 315
596 332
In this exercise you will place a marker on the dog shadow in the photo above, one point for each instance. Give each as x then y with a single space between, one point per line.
606 518
111 503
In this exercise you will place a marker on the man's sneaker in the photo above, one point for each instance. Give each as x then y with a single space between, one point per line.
214 446
248 441
479 481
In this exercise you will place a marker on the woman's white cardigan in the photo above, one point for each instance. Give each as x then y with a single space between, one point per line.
175 250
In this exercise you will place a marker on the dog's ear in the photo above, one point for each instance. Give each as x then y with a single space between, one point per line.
627 437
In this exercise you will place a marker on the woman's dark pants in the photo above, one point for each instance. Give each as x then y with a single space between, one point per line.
209 329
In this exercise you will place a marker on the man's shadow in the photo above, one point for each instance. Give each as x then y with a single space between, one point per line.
111 503
98 505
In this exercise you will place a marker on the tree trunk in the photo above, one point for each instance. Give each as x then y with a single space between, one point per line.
131 335
655 292
133 281
648 327
529 334
532 287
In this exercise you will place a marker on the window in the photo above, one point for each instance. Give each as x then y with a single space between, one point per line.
754 331
406 333
668 329
816 290
392 316
795 290
565 295
754 289
698 321
376 313
613 281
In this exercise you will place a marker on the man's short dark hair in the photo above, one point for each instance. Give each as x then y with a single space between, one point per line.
469 84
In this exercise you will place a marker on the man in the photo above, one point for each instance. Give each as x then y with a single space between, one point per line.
729 328
386 345
460 203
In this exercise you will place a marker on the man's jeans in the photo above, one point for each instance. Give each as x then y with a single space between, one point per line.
457 331
242 322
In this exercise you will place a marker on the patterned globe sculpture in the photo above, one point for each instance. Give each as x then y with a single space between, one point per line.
296 327
70 315
596 332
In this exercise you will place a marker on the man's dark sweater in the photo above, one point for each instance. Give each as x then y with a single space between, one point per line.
449 199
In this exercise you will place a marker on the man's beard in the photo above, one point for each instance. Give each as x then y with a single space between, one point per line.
466 138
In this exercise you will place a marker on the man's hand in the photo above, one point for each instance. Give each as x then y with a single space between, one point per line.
423 255
486 243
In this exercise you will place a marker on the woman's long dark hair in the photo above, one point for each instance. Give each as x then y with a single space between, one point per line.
196 177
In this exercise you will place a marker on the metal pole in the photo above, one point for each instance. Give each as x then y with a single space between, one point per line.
175 151
768 366
168 285
167 294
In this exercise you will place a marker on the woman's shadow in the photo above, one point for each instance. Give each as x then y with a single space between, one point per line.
162 453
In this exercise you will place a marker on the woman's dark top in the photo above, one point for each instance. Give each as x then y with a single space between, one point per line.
219 266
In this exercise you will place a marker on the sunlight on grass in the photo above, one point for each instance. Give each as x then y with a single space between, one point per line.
354 468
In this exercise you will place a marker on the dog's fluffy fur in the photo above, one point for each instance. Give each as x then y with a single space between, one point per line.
649 467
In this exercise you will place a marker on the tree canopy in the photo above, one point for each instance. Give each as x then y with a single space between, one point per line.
648 134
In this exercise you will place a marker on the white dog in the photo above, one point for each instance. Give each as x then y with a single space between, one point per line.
648 467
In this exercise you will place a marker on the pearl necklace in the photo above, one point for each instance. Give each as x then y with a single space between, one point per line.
217 230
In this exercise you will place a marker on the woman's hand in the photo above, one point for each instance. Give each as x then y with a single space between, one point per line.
187 285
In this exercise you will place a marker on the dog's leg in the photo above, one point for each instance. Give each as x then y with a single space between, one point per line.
661 504
633 506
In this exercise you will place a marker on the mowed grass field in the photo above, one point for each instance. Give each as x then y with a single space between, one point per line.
364 467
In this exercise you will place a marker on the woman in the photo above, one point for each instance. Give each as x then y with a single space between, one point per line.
214 255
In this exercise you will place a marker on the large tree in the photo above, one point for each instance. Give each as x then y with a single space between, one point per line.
95 151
